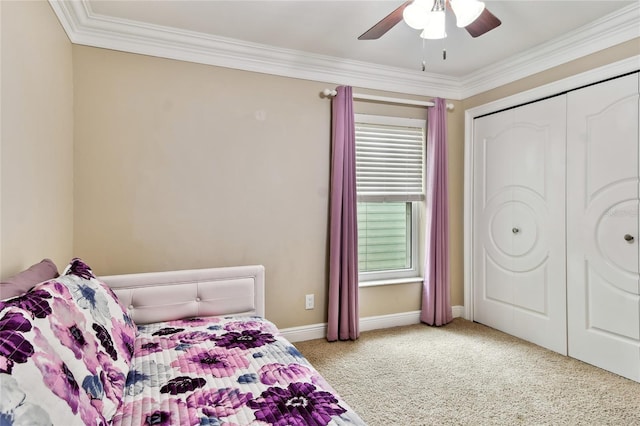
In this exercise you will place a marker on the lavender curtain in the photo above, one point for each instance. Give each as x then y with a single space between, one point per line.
343 234
436 305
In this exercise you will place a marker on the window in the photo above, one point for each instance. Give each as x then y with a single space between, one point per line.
390 188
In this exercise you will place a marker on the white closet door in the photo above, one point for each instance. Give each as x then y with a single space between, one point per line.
602 226
518 225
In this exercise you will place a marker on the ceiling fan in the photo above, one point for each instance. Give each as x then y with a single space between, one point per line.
427 14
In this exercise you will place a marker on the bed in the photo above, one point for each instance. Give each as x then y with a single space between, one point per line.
168 348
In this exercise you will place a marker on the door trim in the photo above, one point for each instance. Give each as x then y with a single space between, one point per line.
589 77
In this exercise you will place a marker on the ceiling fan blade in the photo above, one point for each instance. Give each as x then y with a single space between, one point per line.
388 22
485 23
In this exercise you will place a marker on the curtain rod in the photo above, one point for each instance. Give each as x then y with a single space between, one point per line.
365 97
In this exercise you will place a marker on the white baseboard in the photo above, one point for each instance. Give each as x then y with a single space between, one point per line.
458 311
319 331
305 332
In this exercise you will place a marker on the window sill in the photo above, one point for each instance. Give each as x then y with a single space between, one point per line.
375 283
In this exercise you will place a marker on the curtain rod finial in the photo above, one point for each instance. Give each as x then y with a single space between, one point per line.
329 93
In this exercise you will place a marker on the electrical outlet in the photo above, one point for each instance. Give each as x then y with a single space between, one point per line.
309 302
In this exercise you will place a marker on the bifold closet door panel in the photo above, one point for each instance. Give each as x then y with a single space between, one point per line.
603 285
519 222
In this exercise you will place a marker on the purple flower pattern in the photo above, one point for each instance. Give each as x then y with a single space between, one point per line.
245 339
167 331
113 378
105 340
34 301
217 361
79 268
68 324
14 347
251 324
219 402
282 374
124 338
148 347
299 404
192 337
149 344
182 384
191 322
149 411
60 380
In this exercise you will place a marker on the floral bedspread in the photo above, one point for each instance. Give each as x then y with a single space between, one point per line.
225 371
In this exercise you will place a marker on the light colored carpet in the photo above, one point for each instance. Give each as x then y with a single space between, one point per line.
468 374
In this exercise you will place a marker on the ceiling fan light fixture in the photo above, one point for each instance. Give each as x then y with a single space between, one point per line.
466 11
415 14
435 26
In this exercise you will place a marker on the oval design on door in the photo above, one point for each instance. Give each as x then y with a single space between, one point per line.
516 241
612 214
514 229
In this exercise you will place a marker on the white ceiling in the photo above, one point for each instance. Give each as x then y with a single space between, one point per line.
324 33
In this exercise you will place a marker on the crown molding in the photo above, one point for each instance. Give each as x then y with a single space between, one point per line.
84 27
612 29
87 28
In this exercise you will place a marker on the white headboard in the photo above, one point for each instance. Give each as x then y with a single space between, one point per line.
166 296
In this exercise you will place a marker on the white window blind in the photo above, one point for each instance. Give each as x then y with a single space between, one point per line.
389 160
389 184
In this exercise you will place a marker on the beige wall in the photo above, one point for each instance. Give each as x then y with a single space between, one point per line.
180 165
36 138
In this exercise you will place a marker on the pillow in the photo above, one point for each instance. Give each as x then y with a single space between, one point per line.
73 328
108 323
23 281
